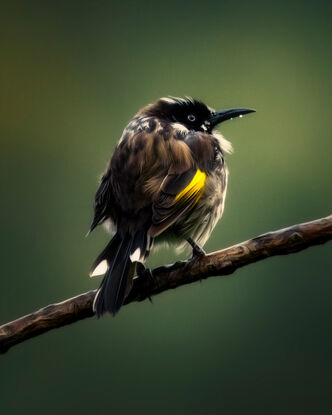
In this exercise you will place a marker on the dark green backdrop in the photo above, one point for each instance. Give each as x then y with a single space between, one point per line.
72 74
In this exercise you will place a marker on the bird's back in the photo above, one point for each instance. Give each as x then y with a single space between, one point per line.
141 161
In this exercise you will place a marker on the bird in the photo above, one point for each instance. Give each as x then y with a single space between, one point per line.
166 182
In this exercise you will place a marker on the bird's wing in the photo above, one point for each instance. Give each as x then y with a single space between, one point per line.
103 201
181 189
178 194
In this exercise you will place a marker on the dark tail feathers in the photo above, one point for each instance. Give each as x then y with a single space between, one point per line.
117 281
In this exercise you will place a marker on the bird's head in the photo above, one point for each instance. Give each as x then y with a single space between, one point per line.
190 113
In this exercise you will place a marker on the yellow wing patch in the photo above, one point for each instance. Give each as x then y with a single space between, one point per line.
194 187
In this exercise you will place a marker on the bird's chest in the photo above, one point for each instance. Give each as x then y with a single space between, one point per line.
211 204
203 218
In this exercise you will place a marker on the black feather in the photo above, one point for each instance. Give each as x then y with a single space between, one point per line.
117 281
103 201
108 253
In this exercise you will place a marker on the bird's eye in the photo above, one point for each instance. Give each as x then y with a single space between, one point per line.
191 117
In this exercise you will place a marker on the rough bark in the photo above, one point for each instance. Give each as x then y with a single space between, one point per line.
224 262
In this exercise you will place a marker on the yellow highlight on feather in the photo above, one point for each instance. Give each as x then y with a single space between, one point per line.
193 187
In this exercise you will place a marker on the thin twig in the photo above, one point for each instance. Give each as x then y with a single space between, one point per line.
281 242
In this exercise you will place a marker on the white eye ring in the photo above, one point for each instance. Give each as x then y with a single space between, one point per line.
191 117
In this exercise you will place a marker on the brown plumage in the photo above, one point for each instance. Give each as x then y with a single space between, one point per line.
166 182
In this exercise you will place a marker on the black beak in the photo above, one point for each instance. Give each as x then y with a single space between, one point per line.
220 116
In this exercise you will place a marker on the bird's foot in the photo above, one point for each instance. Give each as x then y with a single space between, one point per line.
198 252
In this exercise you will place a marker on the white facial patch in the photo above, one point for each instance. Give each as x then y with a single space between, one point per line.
224 144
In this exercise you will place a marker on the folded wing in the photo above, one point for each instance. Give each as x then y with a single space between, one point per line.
179 192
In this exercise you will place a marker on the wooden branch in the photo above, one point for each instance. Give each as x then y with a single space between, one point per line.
281 242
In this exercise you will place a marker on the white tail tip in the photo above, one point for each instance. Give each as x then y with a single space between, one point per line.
136 255
100 269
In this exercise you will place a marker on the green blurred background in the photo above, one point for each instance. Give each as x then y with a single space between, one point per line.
72 74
